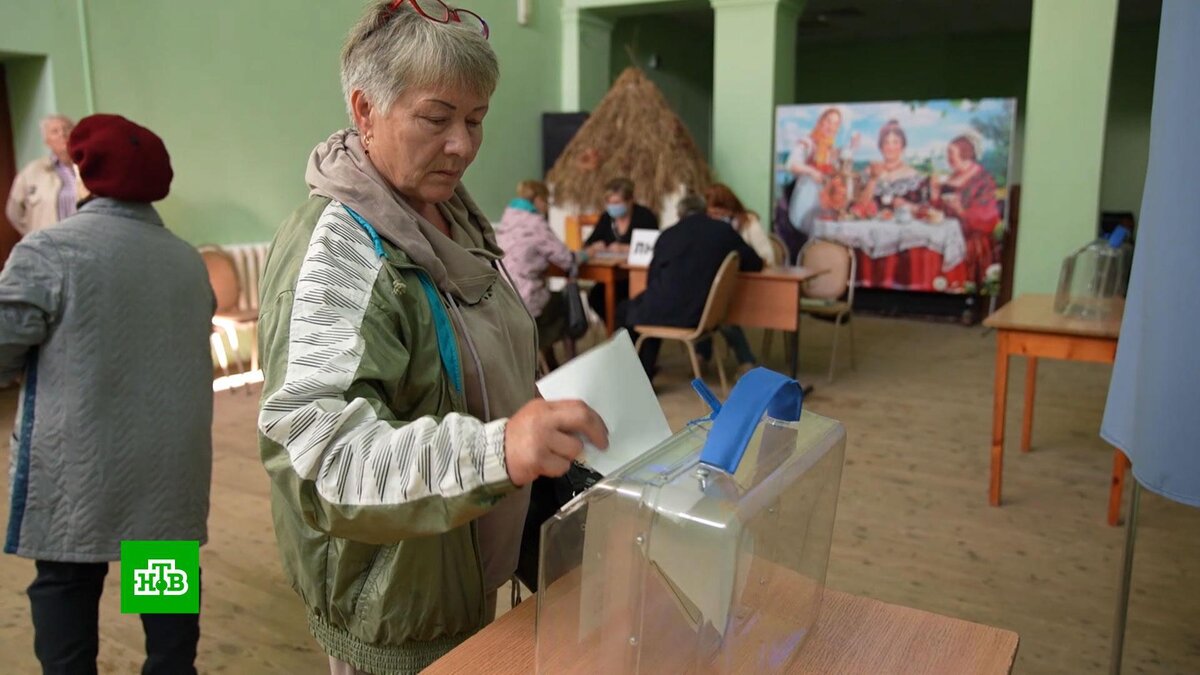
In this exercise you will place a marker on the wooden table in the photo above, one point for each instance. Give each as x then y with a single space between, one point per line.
768 299
853 635
1028 326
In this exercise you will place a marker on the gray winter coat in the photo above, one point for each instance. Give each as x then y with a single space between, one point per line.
106 316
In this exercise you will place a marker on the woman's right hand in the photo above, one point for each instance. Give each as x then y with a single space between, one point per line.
543 437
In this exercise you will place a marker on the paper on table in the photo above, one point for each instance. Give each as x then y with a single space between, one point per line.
610 379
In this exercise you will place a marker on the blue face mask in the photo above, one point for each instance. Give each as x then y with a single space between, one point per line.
616 210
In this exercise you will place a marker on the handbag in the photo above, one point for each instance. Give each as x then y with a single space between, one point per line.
547 496
577 321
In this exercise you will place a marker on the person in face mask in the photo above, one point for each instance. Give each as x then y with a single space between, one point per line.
614 231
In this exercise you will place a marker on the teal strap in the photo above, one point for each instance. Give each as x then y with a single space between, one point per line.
370 231
447 344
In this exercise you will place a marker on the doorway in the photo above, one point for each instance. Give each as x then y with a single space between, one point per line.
8 169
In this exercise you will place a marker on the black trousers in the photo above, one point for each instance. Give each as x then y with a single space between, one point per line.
65 601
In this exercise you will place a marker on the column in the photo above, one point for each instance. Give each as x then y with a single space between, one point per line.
754 70
1070 60
586 48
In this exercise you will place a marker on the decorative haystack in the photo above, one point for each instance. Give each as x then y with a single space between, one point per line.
634 134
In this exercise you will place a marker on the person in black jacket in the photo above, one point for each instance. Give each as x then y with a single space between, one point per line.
686 259
613 233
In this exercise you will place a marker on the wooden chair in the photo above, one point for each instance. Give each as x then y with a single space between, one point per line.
830 295
228 318
573 229
781 250
720 295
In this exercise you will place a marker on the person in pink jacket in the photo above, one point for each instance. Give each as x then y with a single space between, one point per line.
530 246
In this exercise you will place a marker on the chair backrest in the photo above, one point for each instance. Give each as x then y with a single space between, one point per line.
223 276
781 250
573 229
837 260
250 261
720 295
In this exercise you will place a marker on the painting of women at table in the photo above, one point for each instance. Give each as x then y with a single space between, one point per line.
921 204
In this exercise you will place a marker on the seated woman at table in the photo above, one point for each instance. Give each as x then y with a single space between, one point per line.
969 195
724 205
614 231
529 248
892 183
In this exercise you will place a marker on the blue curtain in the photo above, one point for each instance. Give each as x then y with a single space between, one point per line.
1153 410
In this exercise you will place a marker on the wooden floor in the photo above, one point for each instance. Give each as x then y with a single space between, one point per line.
913 525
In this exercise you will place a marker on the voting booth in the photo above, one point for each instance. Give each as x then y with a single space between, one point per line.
706 554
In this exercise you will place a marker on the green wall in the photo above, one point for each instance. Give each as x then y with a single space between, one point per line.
934 66
1127 134
685 70
925 67
242 91
918 68
43 60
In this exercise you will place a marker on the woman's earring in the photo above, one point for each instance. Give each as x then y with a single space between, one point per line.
367 144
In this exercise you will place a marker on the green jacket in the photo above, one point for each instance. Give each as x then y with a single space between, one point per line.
373 508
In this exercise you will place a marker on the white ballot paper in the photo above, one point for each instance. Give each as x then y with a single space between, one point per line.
610 379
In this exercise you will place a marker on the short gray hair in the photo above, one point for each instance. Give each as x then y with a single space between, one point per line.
55 117
690 204
388 51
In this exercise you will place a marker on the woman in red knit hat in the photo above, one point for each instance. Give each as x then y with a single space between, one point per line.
105 317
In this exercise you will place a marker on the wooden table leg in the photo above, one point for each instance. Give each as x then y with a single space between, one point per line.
610 304
1030 387
998 417
1120 465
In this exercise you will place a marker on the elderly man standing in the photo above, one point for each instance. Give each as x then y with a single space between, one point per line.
106 319
46 190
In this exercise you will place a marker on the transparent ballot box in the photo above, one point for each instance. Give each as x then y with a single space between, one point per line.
705 555
1095 275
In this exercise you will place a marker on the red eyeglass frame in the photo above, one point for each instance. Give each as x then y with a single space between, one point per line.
452 14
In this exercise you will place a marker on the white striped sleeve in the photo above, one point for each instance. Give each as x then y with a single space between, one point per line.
354 457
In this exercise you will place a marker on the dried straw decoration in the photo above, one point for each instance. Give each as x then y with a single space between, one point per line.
633 134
